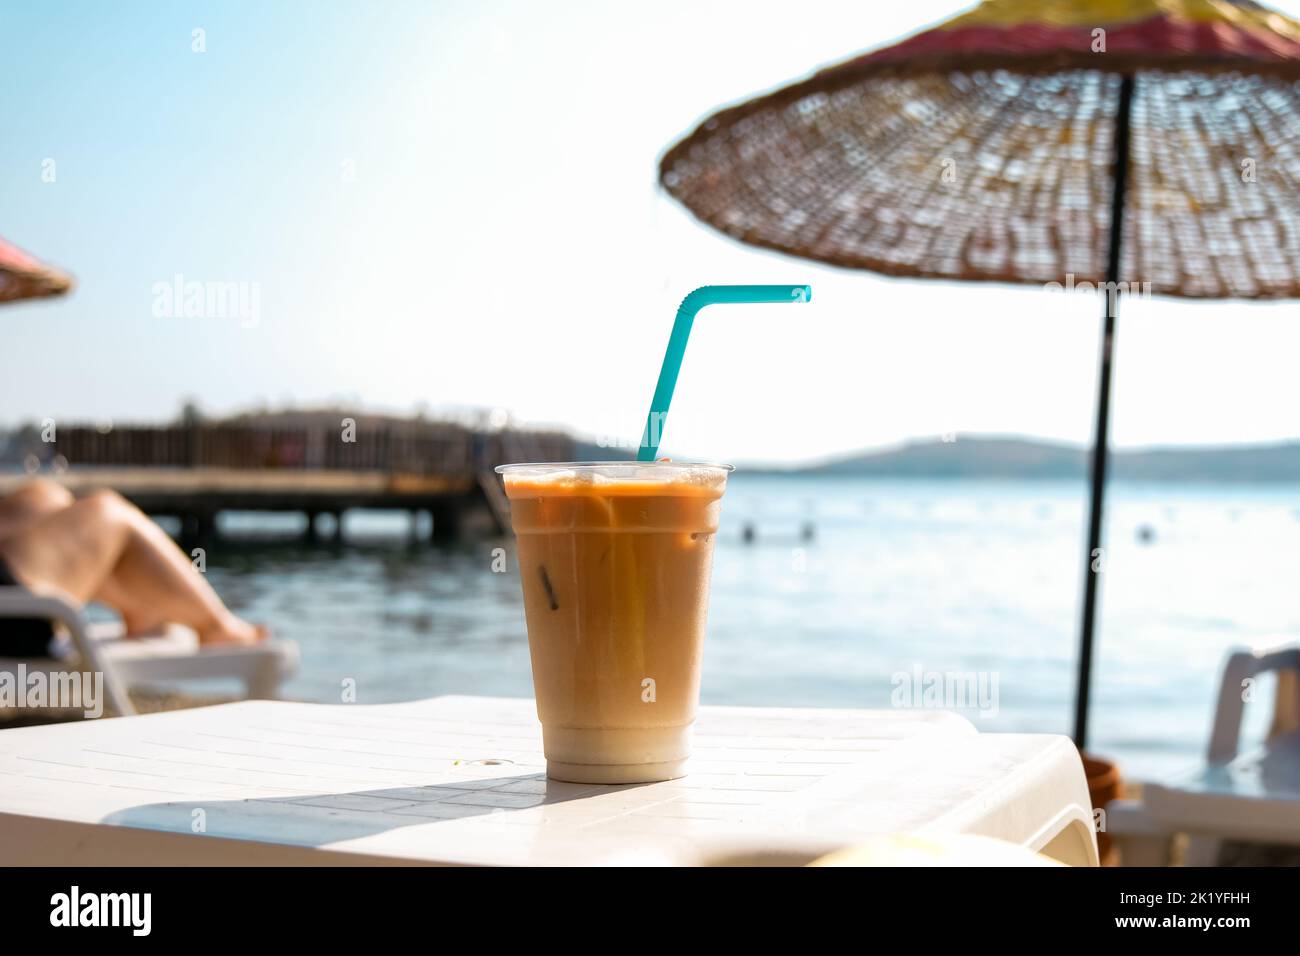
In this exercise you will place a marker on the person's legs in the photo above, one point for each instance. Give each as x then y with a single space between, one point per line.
33 500
137 617
40 497
101 539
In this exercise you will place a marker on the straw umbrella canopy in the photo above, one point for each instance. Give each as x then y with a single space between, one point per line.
1032 141
23 277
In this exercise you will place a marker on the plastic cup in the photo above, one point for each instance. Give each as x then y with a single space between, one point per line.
615 559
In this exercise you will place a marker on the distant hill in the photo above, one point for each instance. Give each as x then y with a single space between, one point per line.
1029 459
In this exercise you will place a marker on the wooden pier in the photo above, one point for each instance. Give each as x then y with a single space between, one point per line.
196 472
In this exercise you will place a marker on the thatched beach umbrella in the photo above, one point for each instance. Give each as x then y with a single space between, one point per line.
23 277
1032 141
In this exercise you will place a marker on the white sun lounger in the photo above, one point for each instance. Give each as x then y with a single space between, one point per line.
461 780
172 655
1252 796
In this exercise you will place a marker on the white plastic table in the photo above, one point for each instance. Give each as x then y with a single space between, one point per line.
461 780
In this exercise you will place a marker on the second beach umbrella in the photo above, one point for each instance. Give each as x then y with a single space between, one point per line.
1033 141
23 277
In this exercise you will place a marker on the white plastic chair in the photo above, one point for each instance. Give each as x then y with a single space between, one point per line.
172 655
1252 796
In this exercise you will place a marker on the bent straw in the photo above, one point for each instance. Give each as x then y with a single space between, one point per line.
705 295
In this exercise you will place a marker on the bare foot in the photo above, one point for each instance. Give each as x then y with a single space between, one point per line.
235 631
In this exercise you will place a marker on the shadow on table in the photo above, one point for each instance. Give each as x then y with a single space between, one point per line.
318 819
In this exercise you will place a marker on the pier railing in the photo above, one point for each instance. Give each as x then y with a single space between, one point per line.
198 471
404 448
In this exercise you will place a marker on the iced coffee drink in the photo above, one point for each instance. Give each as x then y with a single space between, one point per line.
615 561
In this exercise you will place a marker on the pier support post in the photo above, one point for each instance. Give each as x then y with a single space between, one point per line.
446 521
198 530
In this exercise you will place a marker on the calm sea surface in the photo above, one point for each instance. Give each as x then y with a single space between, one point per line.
902 579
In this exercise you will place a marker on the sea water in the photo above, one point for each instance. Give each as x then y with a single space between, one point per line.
852 593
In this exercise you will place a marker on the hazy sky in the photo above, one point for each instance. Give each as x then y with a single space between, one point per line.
455 204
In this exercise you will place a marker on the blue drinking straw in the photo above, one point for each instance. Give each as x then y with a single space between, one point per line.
704 295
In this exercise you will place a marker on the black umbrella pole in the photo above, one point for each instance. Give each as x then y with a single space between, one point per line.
1093 560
